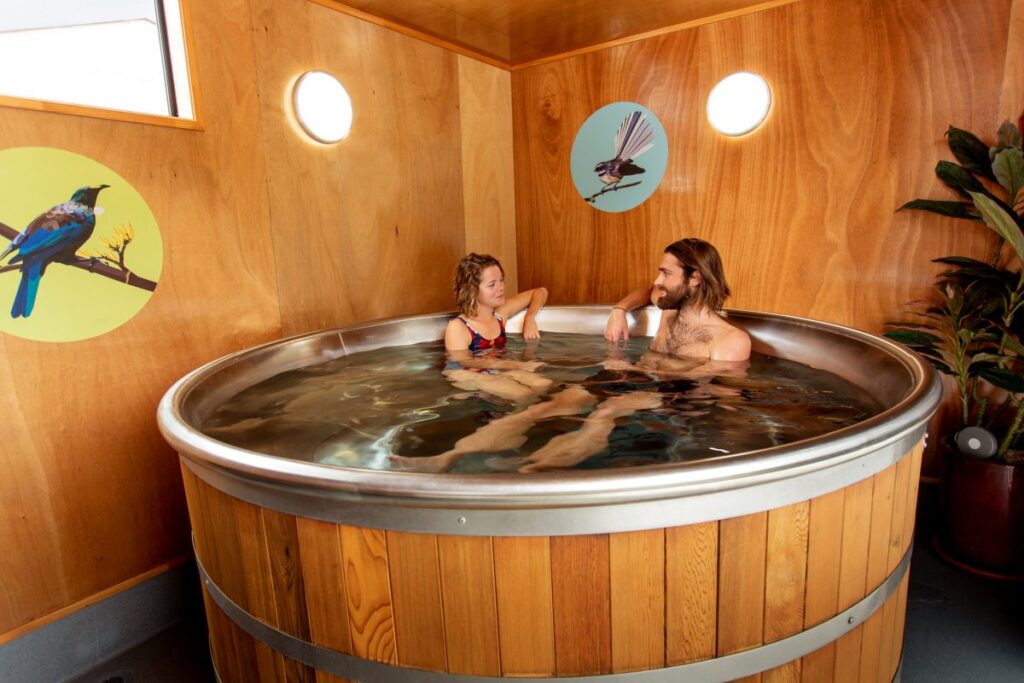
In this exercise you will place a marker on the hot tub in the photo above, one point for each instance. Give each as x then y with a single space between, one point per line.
790 560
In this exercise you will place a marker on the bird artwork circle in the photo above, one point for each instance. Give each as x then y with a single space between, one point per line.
80 250
619 156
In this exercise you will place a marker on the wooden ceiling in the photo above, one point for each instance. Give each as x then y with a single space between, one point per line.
523 33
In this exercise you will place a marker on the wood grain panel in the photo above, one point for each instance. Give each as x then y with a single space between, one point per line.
323 576
259 585
811 178
824 552
385 221
898 544
853 573
691 592
848 656
785 581
232 650
897 547
1012 92
522 583
580 591
226 569
916 457
517 34
878 546
881 524
71 526
86 518
741 582
367 588
901 622
200 527
286 574
786 571
856 535
488 176
470 605
787 673
416 599
637 574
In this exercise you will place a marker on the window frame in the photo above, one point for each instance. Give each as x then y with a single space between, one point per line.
90 111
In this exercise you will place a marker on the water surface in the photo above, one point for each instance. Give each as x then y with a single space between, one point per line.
358 410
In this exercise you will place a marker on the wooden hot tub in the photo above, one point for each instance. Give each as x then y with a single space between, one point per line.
779 564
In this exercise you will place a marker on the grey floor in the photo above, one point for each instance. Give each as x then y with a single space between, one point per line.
960 628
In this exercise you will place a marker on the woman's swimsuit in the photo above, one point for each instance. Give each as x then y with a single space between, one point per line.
480 342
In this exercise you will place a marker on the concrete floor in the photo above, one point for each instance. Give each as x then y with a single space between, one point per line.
960 628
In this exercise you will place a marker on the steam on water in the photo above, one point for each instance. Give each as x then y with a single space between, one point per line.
359 410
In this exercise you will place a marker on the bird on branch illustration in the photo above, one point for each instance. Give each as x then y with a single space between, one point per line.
633 138
54 236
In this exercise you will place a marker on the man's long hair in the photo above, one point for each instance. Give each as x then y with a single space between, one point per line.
696 255
467 280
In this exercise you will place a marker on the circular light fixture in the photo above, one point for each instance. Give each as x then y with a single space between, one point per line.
739 103
322 106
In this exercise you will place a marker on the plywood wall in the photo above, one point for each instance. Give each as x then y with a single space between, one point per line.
803 209
264 235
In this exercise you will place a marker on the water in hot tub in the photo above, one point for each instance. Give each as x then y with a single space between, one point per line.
575 402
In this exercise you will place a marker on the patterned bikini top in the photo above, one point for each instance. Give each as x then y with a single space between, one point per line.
480 342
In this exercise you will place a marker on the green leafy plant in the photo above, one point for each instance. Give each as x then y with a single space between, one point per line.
973 328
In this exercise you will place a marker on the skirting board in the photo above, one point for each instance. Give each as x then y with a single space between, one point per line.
70 646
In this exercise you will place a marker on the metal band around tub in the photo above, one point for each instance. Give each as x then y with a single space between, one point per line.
688 505
724 668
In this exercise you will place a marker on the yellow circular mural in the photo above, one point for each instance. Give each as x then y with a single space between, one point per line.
80 251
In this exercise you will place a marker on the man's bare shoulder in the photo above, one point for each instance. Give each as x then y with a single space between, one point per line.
730 343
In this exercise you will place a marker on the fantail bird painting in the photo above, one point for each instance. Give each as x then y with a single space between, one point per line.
633 138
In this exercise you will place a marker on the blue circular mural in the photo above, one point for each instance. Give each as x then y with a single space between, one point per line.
619 156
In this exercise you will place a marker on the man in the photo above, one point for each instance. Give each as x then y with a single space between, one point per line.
690 290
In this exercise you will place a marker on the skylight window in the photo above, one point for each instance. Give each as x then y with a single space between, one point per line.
126 55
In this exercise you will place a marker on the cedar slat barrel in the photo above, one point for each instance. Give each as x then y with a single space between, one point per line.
788 563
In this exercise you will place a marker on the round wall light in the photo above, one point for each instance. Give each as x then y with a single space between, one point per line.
322 106
739 103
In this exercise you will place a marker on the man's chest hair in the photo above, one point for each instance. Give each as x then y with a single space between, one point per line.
681 334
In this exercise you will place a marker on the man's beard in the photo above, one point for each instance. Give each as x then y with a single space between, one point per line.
675 299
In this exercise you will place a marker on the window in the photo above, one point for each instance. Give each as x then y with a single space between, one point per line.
127 55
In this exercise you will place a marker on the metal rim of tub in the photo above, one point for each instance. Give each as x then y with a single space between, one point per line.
557 502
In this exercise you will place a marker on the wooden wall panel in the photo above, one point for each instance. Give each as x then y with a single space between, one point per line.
823 572
853 572
488 174
691 592
371 227
258 584
580 593
368 590
803 209
637 575
741 582
470 606
522 583
416 595
1012 97
329 235
323 574
91 493
786 578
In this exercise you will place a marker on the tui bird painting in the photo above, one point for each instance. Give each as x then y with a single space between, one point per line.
54 236
633 138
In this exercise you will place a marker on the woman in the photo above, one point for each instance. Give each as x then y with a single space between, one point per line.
483 309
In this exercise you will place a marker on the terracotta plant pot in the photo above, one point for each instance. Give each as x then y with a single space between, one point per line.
983 514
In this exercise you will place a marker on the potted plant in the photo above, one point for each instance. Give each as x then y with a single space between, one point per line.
973 330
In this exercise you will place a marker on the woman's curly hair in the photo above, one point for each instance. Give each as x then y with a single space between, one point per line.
467 280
